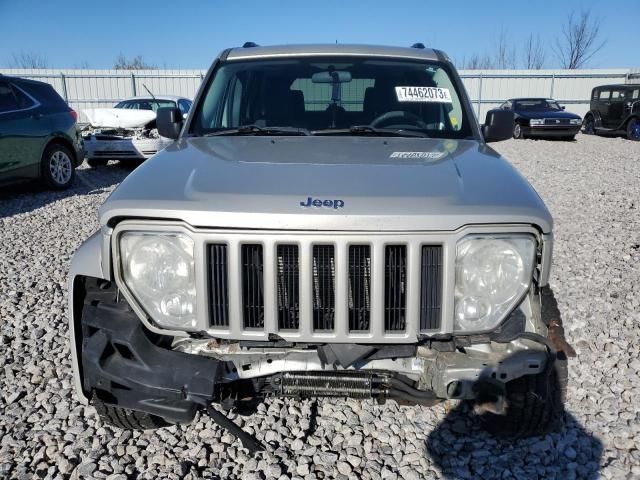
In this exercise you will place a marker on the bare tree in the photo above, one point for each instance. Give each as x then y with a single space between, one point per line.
135 63
477 62
534 53
505 53
580 40
28 60
83 65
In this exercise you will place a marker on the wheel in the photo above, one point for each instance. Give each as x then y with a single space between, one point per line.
589 126
97 162
568 138
57 167
517 131
633 129
125 418
535 404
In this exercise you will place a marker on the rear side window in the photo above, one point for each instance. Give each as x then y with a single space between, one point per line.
46 95
13 99
604 95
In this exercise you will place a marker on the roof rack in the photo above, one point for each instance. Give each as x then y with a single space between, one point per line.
418 45
250 45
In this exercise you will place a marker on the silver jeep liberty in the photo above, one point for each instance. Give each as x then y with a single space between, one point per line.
329 222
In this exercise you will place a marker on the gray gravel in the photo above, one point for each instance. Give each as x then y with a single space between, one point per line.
592 187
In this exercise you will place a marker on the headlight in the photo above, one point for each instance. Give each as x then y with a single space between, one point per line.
575 121
536 121
492 275
158 269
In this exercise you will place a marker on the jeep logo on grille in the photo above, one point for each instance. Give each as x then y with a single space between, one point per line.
318 203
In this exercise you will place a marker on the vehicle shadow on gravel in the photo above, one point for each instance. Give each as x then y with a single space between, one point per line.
31 196
462 449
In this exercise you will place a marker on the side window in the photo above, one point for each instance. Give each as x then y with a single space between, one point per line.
8 101
23 100
13 98
636 94
604 94
617 95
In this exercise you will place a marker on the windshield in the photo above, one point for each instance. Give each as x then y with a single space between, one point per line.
537 104
333 95
145 104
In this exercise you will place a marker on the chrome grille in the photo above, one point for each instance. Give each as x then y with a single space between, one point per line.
253 286
308 290
288 287
359 295
324 274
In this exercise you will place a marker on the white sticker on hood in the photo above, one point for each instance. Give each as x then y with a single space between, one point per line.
423 94
427 155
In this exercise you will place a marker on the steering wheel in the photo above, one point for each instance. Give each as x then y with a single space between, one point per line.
399 114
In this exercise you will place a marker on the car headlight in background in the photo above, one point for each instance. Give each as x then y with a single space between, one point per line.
536 121
575 121
159 270
492 275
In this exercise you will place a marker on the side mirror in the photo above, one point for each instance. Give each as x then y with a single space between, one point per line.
562 107
498 125
169 122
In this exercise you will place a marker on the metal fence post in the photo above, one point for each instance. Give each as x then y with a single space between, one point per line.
64 87
480 95
553 80
133 84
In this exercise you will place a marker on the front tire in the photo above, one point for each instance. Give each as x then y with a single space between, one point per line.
56 167
633 130
589 126
126 419
517 131
535 404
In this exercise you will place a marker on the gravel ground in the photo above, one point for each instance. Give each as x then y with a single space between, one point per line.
592 188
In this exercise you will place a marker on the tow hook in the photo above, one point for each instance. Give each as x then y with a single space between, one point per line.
248 441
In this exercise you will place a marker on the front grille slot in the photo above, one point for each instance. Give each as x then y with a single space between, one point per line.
253 286
288 287
218 286
324 274
395 287
359 295
431 287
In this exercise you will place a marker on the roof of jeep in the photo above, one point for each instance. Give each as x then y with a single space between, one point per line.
242 53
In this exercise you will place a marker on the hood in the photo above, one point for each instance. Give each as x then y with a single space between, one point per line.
119 117
546 114
328 183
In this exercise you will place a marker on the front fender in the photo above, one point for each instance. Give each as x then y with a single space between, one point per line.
86 262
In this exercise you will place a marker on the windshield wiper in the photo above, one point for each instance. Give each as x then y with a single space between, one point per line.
369 130
256 130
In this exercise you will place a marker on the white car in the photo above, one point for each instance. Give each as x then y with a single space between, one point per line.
128 130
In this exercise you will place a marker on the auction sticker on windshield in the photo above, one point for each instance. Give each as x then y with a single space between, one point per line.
423 94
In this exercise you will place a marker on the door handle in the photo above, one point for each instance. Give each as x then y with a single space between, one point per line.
36 116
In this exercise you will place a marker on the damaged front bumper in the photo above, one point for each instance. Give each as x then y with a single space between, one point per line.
126 365
123 147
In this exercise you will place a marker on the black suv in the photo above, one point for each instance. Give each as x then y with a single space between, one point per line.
615 109
39 138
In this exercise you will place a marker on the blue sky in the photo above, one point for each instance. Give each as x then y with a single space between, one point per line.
188 34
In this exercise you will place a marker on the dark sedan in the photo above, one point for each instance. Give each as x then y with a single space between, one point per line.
542 117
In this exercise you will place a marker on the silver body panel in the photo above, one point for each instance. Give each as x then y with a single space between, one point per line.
259 182
305 240
310 50
409 191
